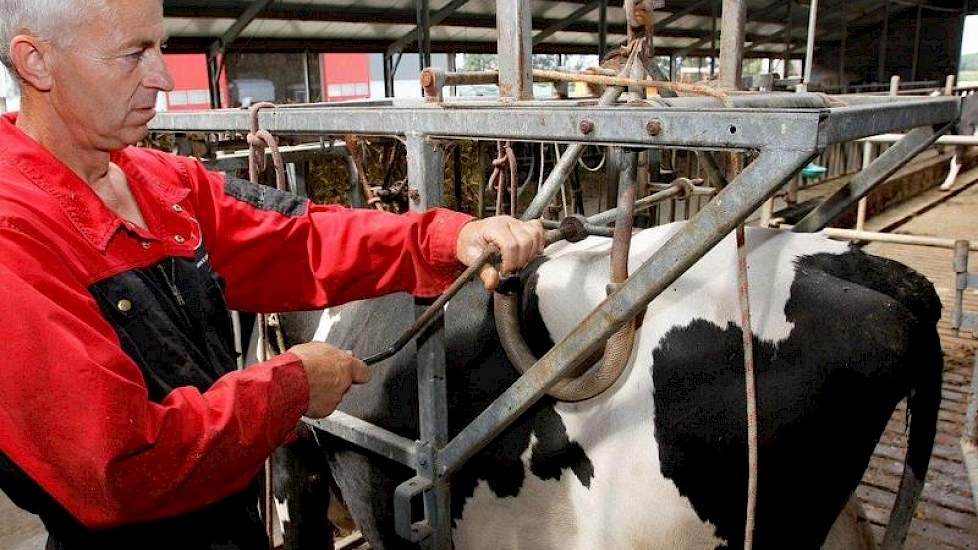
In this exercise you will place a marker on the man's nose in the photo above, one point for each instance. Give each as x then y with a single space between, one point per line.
157 75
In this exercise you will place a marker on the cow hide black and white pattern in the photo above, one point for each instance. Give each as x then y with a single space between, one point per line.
659 460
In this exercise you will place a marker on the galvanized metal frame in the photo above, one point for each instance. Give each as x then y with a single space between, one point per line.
783 136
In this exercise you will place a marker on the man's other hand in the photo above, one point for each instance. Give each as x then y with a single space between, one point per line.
331 372
518 242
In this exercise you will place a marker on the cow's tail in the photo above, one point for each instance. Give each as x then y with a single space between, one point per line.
926 368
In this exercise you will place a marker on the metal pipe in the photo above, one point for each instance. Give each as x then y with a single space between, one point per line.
861 209
645 203
514 47
363 434
810 47
757 182
916 45
893 238
881 70
732 28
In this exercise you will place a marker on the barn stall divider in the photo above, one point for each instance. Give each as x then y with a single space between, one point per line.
778 134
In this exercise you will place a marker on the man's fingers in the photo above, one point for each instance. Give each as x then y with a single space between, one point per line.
526 241
540 235
360 371
490 277
508 245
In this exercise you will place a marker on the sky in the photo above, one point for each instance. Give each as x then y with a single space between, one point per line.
970 34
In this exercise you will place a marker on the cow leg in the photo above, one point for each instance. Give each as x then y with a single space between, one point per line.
851 530
300 478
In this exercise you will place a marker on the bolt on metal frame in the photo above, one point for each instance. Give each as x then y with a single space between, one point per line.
785 131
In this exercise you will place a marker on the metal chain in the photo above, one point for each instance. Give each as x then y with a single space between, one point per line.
505 168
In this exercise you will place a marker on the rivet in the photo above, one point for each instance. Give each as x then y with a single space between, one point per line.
146 245
654 127
586 126
179 239
177 208
124 306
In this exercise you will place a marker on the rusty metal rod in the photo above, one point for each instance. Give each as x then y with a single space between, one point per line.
608 216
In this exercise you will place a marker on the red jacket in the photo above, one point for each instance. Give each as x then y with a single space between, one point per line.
77 413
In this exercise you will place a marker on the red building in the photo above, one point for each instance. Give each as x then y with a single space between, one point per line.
343 77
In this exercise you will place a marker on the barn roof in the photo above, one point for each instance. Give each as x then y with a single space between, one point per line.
469 26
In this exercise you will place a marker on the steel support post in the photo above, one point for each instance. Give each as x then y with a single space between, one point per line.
881 73
916 46
305 76
787 39
602 30
388 75
861 209
425 178
716 220
214 80
713 37
732 43
424 34
862 183
843 81
810 46
513 19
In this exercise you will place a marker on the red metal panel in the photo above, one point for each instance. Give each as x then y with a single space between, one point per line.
190 91
345 76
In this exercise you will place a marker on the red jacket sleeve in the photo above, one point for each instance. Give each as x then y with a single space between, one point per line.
321 255
75 415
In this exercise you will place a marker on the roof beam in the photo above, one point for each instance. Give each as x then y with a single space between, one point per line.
751 17
437 18
242 22
562 24
292 11
190 44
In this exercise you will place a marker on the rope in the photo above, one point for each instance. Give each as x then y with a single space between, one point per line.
505 158
750 388
694 89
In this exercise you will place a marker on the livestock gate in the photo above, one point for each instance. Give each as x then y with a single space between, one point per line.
774 136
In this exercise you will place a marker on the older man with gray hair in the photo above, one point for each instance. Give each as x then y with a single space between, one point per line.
124 423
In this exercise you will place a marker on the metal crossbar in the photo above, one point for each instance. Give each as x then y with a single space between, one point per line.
962 320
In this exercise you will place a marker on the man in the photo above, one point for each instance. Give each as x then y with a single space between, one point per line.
123 422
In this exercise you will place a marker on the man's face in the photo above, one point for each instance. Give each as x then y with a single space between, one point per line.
105 84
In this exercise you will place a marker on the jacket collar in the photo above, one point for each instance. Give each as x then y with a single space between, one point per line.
79 202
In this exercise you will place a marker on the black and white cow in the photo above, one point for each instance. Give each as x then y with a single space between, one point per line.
659 460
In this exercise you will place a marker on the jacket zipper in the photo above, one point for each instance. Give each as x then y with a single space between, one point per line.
172 283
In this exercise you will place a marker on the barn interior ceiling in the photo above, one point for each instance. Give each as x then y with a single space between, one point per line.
683 27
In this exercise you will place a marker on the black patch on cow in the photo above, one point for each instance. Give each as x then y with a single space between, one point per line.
265 197
824 397
554 452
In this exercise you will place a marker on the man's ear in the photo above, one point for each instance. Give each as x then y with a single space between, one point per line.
29 57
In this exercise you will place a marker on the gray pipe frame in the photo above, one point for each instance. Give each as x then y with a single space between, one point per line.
733 24
733 205
364 434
